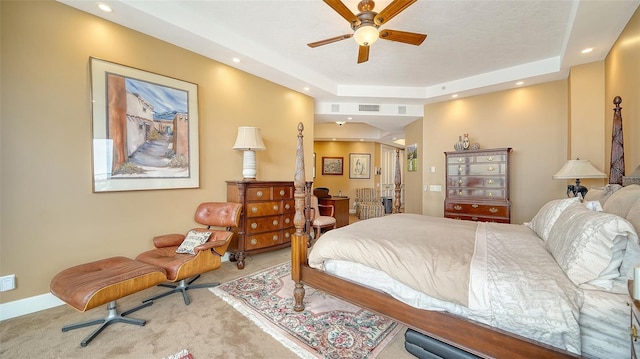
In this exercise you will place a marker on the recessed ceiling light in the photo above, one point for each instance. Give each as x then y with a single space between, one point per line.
587 50
333 139
349 118
520 83
340 123
454 95
236 59
105 7
307 88
362 139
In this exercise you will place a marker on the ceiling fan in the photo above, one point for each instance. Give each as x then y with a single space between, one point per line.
366 25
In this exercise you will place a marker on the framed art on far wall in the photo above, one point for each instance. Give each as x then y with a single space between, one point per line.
332 166
360 165
412 157
145 129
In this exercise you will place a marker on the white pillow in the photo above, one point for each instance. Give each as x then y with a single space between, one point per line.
192 240
548 215
590 246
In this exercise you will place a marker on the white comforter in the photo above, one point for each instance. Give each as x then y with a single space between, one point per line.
515 284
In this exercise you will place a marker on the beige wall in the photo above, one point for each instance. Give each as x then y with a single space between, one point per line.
532 120
50 219
623 79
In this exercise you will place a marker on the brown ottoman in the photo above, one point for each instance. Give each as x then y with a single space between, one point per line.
89 285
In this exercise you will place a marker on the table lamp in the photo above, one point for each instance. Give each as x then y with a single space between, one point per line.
249 140
578 169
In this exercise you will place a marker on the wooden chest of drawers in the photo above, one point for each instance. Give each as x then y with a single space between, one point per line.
478 185
266 222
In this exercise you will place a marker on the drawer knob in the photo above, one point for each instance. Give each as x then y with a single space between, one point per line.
459 169
457 207
287 206
275 222
281 192
287 235
254 225
254 209
287 220
275 238
490 181
460 181
490 158
490 194
259 194
459 193
474 205
276 207
491 169
460 159
254 242
493 210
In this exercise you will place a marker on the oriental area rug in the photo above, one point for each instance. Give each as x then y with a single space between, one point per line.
327 328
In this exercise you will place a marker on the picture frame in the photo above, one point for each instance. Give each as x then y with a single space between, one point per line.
360 165
412 157
144 129
332 166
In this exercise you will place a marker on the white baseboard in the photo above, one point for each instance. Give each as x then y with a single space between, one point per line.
28 305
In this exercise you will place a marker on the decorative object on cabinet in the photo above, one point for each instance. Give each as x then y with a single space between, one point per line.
478 185
320 220
332 165
616 170
125 128
340 209
412 157
249 140
367 204
184 268
266 222
465 141
577 169
458 145
360 165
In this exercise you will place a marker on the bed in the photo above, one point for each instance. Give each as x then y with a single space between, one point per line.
569 320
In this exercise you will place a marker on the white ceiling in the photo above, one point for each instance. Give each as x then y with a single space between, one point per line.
472 47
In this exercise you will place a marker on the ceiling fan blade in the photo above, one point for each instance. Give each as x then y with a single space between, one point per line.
329 41
393 9
363 54
410 38
343 10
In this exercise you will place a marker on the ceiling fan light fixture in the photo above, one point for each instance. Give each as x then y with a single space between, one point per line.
366 35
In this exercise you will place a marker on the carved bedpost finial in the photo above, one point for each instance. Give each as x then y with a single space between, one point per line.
616 170
299 238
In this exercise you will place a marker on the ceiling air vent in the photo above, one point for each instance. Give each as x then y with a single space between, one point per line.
369 108
402 110
335 108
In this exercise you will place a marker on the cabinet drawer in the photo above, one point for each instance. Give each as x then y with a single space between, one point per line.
466 159
477 209
288 206
478 169
258 194
477 193
264 224
260 209
476 218
263 240
468 181
282 192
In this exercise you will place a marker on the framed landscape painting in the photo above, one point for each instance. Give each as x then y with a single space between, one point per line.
332 166
145 129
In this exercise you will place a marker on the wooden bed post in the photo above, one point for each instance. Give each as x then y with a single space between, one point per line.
397 203
299 238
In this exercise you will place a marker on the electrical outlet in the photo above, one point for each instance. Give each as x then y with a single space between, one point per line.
7 282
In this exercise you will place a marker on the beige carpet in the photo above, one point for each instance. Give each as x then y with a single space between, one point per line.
208 328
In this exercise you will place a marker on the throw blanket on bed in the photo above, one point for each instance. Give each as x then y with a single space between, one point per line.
419 252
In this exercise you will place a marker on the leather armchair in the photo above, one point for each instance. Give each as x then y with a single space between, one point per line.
185 268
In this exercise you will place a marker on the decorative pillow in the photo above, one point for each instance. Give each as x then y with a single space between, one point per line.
590 246
622 200
548 214
192 240
601 194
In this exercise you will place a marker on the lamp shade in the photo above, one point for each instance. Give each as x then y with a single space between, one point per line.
249 138
575 169
366 35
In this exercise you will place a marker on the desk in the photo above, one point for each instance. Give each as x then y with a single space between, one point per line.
341 206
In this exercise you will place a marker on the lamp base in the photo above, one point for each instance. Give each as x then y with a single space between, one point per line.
577 189
249 164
